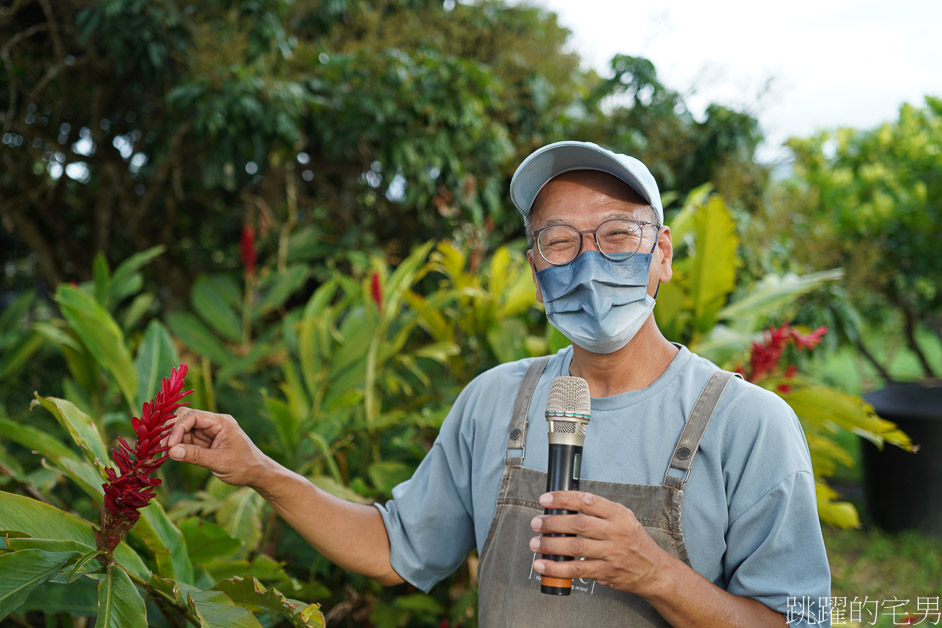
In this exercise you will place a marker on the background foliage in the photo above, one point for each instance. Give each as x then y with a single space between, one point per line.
306 201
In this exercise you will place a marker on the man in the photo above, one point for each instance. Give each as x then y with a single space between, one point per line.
697 502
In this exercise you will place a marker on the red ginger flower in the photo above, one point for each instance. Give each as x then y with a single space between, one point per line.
127 493
765 356
376 290
248 249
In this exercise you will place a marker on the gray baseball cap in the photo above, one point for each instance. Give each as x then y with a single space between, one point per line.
554 159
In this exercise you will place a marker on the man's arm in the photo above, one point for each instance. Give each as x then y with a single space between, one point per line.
619 554
350 535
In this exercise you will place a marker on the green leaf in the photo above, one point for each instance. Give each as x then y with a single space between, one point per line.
386 475
41 521
286 424
166 542
215 610
101 276
249 592
241 516
23 571
119 603
125 280
770 294
35 439
197 337
713 271
206 540
16 358
81 427
76 598
134 312
156 357
13 315
211 297
277 287
101 336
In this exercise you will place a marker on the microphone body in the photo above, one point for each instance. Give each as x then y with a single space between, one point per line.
568 413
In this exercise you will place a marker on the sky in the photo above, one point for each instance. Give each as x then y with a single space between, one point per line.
800 67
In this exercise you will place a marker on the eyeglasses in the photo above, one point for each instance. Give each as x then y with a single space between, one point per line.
616 239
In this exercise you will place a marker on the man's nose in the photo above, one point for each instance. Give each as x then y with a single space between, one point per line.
588 242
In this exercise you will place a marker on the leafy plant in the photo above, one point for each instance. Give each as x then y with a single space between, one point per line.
44 544
704 308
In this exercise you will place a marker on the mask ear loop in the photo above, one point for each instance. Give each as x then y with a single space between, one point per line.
658 289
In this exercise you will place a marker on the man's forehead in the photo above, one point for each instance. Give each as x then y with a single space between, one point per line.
594 180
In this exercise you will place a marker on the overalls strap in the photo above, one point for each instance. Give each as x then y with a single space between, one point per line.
517 439
689 441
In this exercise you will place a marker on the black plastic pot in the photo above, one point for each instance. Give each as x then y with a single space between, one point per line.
904 490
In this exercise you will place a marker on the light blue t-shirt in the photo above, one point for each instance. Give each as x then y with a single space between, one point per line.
749 519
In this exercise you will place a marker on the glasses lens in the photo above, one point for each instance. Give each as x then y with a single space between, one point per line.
620 238
559 244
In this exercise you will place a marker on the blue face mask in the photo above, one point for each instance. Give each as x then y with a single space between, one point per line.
596 302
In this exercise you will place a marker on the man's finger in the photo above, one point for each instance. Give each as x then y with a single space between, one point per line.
581 524
570 568
190 420
579 501
577 547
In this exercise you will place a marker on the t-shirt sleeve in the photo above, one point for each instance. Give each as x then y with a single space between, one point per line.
775 553
775 550
429 520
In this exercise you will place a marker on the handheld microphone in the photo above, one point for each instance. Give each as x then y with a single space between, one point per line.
568 411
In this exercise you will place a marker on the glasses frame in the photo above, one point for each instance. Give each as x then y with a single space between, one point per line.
535 234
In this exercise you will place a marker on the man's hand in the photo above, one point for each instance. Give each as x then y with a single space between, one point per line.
216 441
617 551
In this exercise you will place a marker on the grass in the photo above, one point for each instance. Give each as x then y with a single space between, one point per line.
889 568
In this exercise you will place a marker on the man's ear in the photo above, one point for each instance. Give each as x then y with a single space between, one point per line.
536 282
665 247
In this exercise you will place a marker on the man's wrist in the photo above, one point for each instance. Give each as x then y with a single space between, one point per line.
272 479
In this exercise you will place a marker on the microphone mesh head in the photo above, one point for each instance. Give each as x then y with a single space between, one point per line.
569 407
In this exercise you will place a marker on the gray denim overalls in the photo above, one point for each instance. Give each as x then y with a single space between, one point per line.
509 589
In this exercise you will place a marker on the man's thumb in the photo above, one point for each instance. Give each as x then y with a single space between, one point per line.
193 454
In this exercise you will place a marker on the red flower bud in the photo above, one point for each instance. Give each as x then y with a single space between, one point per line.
376 290
248 249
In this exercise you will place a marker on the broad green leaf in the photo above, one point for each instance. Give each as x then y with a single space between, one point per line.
215 610
505 338
770 294
241 516
120 605
277 287
252 594
260 353
101 279
125 280
35 439
386 475
18 543
87 477
15 358
713 272
38 520
156 357
138 308
285 421
24 570
211 299
76 598
206 540
839 514
101 335
11 318
166 542
197 337
81 427
405 275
